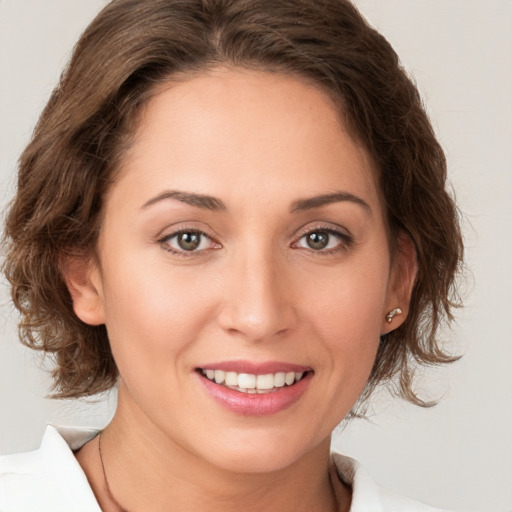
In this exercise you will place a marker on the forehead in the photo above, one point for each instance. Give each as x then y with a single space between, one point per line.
245 128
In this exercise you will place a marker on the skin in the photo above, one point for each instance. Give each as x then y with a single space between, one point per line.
254 290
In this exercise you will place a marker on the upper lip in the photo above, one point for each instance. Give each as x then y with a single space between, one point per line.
254 368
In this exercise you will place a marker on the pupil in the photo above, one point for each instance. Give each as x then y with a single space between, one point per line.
318 240
188 241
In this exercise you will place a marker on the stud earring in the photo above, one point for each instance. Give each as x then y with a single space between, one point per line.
392 314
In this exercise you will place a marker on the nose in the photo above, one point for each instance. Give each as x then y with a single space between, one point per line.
258 302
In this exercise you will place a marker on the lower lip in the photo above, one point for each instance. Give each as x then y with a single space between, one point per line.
263 404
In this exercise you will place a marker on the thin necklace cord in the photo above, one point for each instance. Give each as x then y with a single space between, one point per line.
107 488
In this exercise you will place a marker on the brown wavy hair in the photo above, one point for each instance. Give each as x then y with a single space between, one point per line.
131 48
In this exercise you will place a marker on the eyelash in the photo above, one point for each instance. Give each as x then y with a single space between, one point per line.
164 242
345 241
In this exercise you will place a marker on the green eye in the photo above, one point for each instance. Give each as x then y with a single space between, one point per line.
317 240
324 240
187 241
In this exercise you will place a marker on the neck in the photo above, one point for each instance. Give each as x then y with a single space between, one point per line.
148 470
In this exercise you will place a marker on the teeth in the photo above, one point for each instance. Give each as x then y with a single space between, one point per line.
289 378
265 381
231 379
249 383
279 379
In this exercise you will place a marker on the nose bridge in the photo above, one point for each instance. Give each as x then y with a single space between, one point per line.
258 303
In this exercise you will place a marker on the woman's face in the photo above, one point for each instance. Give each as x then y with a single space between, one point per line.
244 239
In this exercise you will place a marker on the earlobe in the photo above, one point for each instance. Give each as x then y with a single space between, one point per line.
403 277
82 277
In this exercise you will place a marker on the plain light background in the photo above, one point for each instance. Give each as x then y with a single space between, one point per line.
457 455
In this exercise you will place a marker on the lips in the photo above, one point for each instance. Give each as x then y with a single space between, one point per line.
255 389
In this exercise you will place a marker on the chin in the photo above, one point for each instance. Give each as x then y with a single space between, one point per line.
261 451
251 462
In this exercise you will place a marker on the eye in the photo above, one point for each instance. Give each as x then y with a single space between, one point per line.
326 240
187 241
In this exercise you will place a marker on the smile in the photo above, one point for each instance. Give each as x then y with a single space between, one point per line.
251 389
252 383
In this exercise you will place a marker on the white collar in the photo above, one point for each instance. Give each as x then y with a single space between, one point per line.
49 479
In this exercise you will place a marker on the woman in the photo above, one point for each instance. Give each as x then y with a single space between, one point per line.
236 212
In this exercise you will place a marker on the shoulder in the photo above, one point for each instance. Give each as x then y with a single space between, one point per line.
34 480
367 496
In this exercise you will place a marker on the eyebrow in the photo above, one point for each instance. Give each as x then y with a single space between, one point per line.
213 204
198 200
325 199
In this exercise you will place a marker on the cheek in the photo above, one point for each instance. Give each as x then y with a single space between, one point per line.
153 316
347 316
350 301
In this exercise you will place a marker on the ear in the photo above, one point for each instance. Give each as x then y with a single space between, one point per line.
403 276
83 279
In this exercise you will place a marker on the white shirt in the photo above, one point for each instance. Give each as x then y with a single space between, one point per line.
51 480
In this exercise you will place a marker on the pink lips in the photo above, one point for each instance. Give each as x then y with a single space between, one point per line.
256 404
